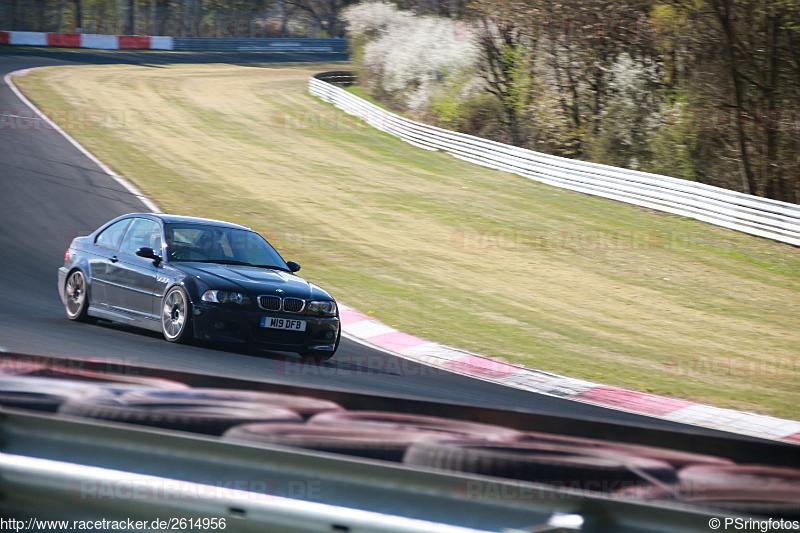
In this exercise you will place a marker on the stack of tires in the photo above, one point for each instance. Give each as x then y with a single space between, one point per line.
41 388
275 419
741 488
372 434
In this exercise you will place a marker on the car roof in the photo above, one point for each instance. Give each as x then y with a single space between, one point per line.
182 219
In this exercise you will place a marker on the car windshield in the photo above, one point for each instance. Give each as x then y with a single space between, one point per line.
213 244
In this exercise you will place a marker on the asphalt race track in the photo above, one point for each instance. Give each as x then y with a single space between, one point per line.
50 192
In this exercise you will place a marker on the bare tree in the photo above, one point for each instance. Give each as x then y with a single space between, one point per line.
325 13
507 36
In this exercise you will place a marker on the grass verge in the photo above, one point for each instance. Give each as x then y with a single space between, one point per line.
469 257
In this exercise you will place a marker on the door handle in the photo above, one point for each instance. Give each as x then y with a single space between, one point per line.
114 259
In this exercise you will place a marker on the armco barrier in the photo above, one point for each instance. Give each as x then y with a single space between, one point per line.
261 45
763 217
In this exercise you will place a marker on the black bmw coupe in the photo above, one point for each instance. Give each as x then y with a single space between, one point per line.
197 278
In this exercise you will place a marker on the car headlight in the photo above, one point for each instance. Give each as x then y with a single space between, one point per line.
225 297
322 307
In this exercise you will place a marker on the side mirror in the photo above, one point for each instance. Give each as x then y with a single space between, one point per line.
293 266
149 253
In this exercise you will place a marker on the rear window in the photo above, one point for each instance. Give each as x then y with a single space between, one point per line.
113 234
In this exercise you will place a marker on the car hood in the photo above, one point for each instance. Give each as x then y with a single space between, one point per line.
254 280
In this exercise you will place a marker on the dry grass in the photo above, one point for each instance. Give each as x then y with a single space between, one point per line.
470 257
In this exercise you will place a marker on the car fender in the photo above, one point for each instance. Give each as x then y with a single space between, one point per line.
193 287
76 261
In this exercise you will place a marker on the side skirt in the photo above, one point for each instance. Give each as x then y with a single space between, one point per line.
140 321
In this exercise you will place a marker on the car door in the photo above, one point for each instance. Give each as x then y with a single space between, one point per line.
104 253
134 277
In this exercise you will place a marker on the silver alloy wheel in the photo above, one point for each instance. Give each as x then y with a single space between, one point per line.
75 291
173 314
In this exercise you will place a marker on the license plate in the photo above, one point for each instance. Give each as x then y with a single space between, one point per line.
283 323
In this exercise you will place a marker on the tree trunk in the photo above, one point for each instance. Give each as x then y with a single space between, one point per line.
78 16
513 126
131 25
772 124
722 9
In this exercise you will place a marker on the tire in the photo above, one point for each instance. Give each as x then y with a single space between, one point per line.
176 316
769 502
373 443
76 296
677 458
446 428
117 383
774 505
750 489
41 394
749 476
670 491
559 465
12 367
182 415
303 405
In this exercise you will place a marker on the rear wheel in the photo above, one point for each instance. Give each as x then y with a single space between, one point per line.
76 297
176 316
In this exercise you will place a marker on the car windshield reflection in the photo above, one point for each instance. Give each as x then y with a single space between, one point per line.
214 244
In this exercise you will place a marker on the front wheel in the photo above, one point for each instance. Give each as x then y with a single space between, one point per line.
176 316
76 297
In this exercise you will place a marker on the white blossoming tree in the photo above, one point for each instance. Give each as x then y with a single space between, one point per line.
409 60
631 115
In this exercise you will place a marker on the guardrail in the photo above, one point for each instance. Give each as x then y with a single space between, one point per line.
261 45
340 78
758 216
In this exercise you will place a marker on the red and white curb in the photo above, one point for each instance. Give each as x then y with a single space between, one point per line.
86 40
363 328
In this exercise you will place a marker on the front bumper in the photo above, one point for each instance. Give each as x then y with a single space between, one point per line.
234 325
